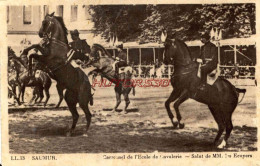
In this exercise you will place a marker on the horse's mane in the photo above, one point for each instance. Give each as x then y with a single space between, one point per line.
103 49
60 19
183 44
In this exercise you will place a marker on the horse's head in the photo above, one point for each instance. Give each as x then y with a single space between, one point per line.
47 25
175 51
169 49
53 26
97 51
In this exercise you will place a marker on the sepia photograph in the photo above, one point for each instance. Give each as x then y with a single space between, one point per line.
145 79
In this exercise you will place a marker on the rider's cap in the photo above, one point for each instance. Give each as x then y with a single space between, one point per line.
74 32
120 46
205 36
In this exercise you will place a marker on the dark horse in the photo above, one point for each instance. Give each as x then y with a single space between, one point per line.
221 97
54 51
42 69
103 61
41 83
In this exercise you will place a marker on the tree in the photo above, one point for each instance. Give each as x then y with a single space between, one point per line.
120 20
187 22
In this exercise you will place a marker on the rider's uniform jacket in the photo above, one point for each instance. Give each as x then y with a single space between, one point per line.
209 54
81 46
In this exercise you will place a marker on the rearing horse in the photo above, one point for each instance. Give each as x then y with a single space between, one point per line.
54 51
221 97
103 61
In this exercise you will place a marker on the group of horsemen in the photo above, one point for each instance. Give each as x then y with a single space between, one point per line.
208 56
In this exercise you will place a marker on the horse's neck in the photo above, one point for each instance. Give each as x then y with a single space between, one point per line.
20 68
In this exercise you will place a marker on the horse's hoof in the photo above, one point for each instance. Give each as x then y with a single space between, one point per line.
175 124
181 125
222 145
69 134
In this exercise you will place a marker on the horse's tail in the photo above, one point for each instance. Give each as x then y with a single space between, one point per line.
241 91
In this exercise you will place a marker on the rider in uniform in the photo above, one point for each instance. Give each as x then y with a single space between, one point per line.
208 57
121 58
79 45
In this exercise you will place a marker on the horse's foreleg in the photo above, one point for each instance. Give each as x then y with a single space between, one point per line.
183 97
71 100
60 89
47 93
174 95
118 98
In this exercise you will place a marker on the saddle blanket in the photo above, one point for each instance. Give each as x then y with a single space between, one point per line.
122 69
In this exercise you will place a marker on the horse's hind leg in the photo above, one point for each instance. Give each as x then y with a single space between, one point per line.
216 112
47 86
227 112
60 89
84 98
22 92
183 97
40 93
34 96
174 95
118 97
127 100
71 100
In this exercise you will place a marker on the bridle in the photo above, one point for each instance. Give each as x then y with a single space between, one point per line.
48 38
47 33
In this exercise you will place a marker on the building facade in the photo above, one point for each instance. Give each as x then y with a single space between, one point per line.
24 22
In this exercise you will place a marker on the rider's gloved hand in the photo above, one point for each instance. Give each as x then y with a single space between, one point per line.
199 60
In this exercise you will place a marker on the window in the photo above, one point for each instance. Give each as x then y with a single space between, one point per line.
27 14
74 13
60 10
87 13
45 10
8 15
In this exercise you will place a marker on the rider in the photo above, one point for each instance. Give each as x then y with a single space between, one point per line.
208 57
121 58
79 45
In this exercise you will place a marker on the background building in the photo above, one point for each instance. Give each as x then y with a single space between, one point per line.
24 22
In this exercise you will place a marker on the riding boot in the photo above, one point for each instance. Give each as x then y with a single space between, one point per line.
203 80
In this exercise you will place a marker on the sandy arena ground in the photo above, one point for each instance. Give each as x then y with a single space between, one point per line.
146 128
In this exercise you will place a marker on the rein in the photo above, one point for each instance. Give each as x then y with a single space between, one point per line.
61 43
